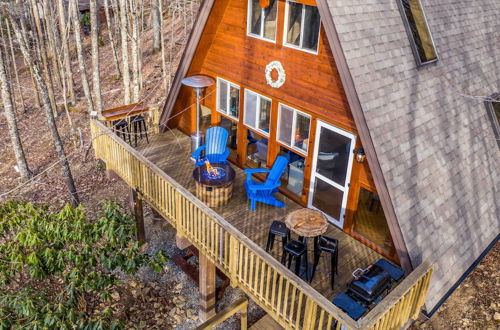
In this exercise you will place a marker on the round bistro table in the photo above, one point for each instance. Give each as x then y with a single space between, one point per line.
307 223
214 192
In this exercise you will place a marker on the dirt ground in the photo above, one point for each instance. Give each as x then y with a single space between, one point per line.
169 300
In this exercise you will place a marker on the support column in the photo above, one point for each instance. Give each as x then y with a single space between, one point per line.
136 205
207 288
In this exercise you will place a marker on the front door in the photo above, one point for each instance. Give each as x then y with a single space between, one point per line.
331 171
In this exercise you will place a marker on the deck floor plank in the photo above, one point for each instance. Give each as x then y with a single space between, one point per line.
170 151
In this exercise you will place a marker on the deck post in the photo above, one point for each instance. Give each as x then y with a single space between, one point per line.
207 288
136 205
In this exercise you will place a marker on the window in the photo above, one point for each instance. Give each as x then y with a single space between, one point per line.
293 178
421 41
302 24
228 98
262 21
232 141
493 108
293 129
257 111
256 150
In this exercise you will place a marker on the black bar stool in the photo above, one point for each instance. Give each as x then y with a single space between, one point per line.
329 245
297 250
278 228
139 127
122 129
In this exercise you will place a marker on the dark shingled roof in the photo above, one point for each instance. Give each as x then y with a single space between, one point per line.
436 147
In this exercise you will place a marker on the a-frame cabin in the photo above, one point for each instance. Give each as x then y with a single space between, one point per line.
357 98
307 118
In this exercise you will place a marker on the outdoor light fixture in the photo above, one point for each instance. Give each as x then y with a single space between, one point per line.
198 83
360 155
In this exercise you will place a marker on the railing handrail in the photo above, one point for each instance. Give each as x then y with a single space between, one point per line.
368 321
240 305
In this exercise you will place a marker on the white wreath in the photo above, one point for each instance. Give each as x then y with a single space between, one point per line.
275 65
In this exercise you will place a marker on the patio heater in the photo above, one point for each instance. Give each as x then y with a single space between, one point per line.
198 83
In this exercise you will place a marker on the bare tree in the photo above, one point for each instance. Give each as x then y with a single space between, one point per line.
111 38
64 31
94 35
42 52
48 110
134 13
73 9
14 63
124 38
155 18
10 116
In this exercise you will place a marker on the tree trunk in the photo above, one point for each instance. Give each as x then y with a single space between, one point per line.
49 113
135 48
123 32
13 58
166 75
10 116
111 38
43 53
155 18
94 35
64 31
51 44
73 9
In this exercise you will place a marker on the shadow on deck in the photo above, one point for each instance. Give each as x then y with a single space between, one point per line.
170 151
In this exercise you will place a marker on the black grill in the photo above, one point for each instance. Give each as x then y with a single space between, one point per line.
370 285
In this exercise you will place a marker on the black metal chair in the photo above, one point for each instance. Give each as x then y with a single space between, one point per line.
139 128
295 250
122 130
329 245
278 228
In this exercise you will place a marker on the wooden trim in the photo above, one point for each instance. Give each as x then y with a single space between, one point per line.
364 134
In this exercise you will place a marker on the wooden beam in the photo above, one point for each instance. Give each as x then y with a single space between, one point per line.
136 206
207 288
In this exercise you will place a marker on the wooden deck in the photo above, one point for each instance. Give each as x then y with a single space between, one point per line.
171 151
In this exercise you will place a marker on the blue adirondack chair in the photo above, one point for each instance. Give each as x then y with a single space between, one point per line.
215 147
264 192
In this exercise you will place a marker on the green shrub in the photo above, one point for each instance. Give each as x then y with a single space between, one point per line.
56 269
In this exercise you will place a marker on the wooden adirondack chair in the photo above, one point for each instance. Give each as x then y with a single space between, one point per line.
264 192
215 147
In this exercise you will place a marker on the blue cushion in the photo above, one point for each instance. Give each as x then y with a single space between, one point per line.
349 305
393 270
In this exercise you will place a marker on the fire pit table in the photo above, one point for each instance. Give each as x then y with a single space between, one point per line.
214 183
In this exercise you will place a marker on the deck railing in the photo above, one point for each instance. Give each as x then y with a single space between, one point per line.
293 303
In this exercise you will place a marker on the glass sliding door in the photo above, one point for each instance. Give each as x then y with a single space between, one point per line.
331 171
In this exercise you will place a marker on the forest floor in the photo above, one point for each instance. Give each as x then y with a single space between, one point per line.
169 300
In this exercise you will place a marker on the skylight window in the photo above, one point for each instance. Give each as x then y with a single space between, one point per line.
418 31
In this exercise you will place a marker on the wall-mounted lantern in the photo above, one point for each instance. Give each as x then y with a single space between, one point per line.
360 155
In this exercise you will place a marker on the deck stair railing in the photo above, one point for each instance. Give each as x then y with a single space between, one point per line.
291 302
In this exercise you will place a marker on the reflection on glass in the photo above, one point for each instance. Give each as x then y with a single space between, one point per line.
302 126
333 155
294 23
270 17
222 96
232 128
250 108
256 150
256 18
370 221
328 199
234 102
420 31
205 118
264 114
311 28
285 128
293 178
